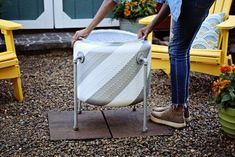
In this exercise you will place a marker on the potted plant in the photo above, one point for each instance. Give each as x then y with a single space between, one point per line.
224 97
128 13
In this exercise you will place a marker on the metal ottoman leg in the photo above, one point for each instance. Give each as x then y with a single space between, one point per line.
75 121
79 106
77 103
145 94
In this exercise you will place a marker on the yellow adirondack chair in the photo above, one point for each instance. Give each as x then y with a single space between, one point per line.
9 65
201 60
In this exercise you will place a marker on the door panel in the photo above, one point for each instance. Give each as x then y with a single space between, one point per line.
30 13
78 13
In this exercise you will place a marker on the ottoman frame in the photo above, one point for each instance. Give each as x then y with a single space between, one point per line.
77 103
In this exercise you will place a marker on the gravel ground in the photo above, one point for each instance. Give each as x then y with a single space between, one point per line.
48 85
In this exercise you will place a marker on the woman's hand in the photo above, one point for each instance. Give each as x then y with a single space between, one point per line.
104 9
144 32
78 35
163 13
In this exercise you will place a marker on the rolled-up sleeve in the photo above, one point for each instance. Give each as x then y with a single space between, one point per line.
116 1
161 1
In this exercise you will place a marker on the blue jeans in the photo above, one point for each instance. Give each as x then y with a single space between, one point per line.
193 13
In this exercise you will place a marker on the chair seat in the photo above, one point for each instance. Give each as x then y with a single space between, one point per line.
196 55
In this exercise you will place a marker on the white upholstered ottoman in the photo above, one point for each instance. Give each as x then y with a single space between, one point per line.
111 68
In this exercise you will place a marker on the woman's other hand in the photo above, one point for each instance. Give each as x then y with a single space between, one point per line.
144 32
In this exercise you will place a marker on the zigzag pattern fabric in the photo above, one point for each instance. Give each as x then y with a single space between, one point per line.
110 74
208 34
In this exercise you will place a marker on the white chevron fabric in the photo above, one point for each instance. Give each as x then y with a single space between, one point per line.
132 90
110 74
107 68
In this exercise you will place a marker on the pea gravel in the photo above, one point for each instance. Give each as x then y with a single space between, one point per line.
48 86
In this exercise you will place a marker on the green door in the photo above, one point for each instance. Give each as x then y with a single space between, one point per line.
78 13
31 13
22 9
81 9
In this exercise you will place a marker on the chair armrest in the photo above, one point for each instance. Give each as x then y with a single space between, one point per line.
147 20
228 24
9 25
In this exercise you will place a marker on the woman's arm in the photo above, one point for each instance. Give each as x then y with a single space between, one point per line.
163 13
104 9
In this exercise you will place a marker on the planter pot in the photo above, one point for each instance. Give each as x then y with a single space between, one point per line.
227 121
130 25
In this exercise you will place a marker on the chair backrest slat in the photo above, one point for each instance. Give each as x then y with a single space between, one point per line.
221 6
227 6
212 9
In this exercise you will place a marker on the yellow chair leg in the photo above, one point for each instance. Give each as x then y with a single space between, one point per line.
18 89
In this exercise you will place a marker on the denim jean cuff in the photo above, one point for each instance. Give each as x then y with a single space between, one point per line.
185 105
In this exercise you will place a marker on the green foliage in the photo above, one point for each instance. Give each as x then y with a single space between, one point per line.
133 9
224 88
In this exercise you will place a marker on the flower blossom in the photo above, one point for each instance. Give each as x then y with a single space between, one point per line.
219 85
127 13
226 69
